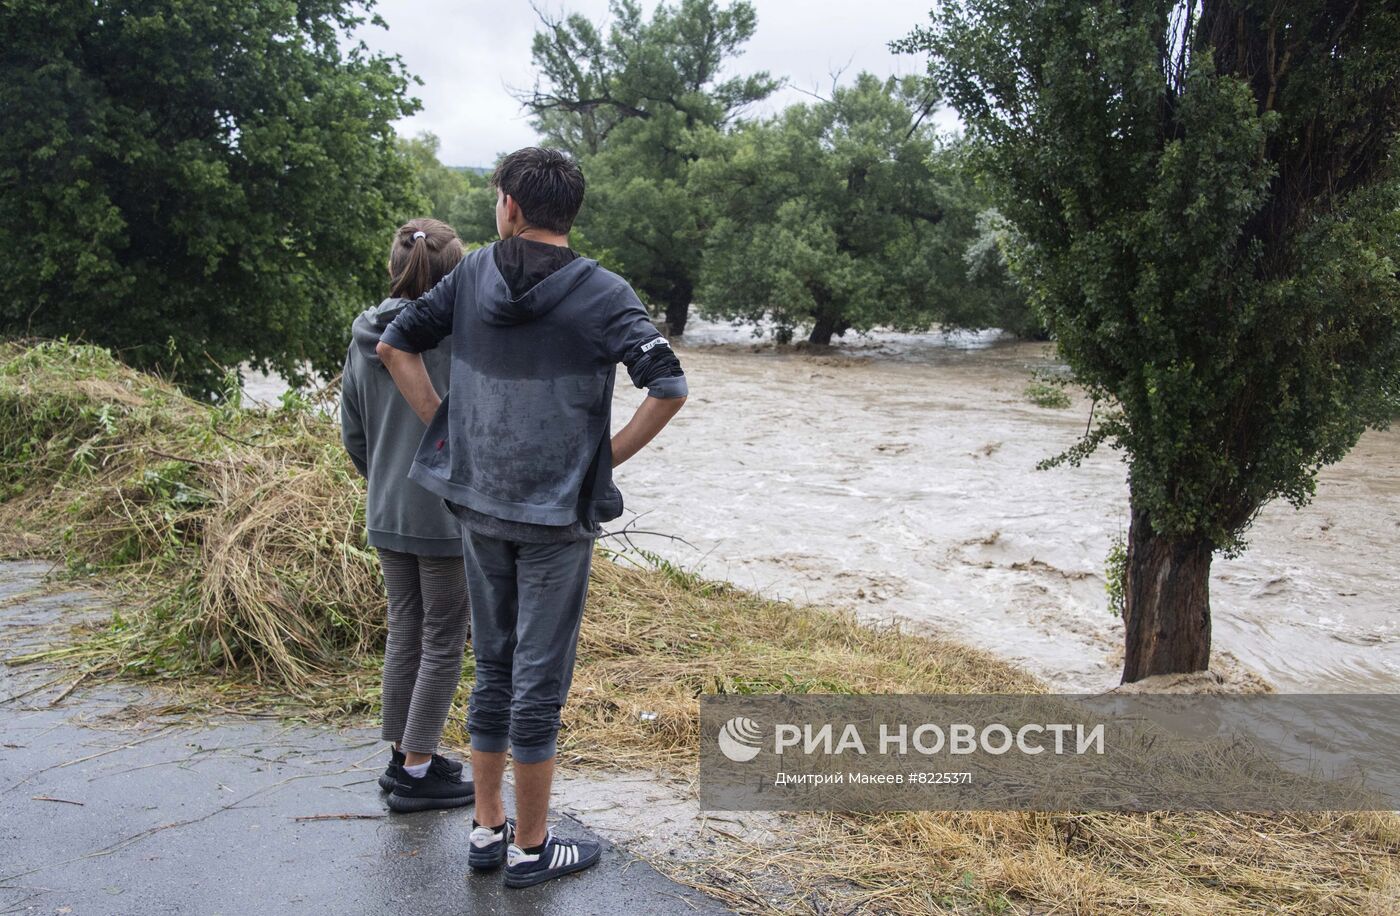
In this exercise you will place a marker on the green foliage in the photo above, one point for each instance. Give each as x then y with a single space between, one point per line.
463 199
197 184
1044 393
638 101
1207 212
594 77
848 213
641 207
992 297
1115 577
473 212
437 184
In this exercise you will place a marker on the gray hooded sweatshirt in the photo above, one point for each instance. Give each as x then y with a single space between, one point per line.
524 433
381 433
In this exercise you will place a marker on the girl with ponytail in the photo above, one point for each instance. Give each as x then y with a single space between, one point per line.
417 538
424 251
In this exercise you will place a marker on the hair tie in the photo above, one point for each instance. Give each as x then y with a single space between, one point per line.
420 234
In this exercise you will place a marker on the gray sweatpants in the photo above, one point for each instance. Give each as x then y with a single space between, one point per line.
429 613
527 604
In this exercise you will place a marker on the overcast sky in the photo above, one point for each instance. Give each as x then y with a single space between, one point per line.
470 52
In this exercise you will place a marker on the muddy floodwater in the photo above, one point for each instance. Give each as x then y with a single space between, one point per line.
897 476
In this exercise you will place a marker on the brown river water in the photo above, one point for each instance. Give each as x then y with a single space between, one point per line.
897 476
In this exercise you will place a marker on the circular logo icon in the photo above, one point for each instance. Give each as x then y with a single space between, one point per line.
739 739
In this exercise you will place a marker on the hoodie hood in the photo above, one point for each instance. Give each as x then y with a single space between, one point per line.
371 323
500 307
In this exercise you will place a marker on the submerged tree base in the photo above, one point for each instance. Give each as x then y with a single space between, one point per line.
1167 603
235 540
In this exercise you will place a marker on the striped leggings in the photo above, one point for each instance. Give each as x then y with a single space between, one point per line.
429 622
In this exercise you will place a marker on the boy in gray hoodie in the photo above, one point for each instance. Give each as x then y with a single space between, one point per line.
522 449
418 541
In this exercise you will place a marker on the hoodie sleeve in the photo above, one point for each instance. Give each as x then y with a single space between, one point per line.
427 320
631 339
352 427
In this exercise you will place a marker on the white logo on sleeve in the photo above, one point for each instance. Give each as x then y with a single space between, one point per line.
655 342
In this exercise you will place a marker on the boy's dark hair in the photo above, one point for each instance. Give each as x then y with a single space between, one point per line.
546 184
424 251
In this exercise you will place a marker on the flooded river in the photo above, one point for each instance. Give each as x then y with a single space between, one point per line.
897 476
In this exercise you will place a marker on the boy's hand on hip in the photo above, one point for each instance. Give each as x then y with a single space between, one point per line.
411 375
651 417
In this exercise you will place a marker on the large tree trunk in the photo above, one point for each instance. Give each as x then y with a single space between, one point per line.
825 327
1167 610
678 311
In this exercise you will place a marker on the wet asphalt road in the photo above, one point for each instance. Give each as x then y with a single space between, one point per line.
106 812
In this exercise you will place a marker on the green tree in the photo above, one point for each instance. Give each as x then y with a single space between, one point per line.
439 185
1208 213
473 212
847 213
195 183
637 100
462 198
993 298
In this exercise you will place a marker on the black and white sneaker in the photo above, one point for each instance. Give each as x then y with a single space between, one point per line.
488 845
440 787
396 759
551 859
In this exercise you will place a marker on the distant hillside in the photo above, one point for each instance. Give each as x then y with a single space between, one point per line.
474 169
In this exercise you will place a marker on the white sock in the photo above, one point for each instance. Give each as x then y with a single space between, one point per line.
418 770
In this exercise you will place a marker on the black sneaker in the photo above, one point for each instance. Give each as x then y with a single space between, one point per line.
557 857
392 771
440 787
396 758
488 845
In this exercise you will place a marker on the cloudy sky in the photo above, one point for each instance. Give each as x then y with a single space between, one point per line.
469 53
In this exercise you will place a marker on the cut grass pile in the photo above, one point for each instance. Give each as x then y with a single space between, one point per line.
236 533
235 540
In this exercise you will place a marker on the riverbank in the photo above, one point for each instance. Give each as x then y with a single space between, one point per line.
233 540
924 447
